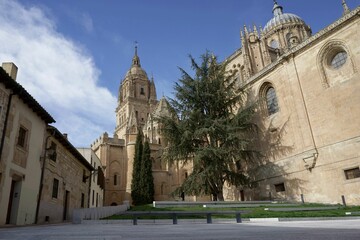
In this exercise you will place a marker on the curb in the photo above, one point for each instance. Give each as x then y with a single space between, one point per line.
298 219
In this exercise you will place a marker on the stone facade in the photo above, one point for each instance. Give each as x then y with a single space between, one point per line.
137 107
21 148
96 198
66 179
311 139
307 89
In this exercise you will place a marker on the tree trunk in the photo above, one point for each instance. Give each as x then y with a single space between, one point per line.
220 196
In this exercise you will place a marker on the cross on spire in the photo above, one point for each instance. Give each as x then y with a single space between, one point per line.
277 9
136 47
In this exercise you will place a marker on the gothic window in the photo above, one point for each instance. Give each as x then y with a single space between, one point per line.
271 101
267 95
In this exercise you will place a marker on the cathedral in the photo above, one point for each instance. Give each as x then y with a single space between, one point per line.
136 110
308 88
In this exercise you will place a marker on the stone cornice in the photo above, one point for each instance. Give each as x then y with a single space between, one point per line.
234 55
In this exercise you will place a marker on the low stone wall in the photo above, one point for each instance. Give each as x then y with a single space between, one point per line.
81 214
160 204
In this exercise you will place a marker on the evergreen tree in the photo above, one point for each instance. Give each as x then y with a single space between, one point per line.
147 180
211 129
136 178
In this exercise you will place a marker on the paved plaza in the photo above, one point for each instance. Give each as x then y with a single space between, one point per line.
334 229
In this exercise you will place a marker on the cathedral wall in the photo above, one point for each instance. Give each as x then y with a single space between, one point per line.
113 156
318 108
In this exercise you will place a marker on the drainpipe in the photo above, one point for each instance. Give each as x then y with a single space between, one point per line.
89 192
11 69
310 161
5 124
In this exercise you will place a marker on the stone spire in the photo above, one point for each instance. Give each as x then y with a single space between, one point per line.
345 7
152 89
277 9
246 32
136 59
256 31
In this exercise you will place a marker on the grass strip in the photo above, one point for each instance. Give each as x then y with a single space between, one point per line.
258 212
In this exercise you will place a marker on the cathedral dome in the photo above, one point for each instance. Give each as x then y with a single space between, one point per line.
136 70
136 67
281 18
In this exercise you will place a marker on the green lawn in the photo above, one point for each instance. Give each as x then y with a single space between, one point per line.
257 212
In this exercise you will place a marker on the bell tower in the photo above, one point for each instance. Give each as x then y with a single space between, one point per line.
136 100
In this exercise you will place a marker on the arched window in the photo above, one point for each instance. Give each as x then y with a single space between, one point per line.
288 36
331 57
271 101
115 179
274 44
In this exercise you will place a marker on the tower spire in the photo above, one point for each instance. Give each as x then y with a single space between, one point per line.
136 59
345 7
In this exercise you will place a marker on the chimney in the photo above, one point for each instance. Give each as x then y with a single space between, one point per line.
65 135
11 69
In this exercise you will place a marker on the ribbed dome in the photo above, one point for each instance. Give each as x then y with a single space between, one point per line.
281 18
136 70
136 67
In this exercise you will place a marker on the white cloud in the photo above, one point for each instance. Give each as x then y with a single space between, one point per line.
55 71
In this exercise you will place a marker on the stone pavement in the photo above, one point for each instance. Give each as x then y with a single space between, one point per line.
329 230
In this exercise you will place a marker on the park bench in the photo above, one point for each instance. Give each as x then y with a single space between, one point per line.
175 214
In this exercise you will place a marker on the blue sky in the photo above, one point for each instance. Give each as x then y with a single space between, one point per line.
72 55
